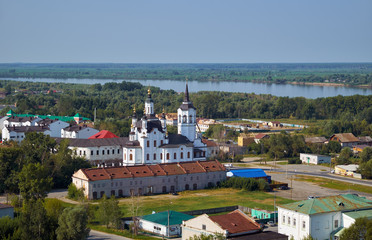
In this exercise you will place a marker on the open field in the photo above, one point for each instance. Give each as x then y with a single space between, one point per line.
202 199
333 184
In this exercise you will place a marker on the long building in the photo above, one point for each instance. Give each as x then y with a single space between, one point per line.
149 179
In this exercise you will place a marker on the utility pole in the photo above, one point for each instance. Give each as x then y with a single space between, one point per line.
168 225
274 207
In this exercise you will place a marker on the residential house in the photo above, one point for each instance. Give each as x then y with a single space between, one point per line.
99 151
167 223
171 118
233 224
245 139
6 210
212 148
55 126
204 124
19 133
260 136
275 124
314 158
103 134
345 139
231 148
77 131
366 140
21 121
148 179
321 217
320 140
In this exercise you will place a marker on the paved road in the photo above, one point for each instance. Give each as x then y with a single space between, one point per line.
96 235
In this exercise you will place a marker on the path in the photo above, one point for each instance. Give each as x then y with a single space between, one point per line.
96 235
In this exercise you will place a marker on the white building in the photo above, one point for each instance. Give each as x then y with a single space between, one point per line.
314 158
149 142
166 223
19 133
99 151
203 124
77 131
55 126
21 121
321 217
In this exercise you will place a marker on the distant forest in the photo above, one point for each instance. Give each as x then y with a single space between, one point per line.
115 101
342 73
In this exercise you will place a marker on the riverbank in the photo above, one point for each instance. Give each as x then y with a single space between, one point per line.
330 84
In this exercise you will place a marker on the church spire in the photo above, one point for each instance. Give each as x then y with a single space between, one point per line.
186 98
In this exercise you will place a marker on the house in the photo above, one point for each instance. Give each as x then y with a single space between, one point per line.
260 136
6 210
171 118
212 148
312 140
275 124
319 217
19 133
55 126
345 139
359 148
77 131
314 158
150 143
20 121
256 173
244 140
167 223
346 170
366 140
233 224
98 151
148 179
204 124
103 134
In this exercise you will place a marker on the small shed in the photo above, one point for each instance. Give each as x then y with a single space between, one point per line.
314 158
249 173
167 223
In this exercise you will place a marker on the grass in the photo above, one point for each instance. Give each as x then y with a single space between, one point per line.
334 184
203 199
124 233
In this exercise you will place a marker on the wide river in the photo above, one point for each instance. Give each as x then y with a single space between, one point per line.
287 90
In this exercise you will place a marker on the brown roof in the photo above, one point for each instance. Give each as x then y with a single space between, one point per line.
236 222
345 137
315 139
95 174
366 139
28 129
209 143
260 136
96 142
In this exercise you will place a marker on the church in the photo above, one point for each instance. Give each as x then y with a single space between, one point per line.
150 143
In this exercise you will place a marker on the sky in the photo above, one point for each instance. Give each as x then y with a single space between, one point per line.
180 31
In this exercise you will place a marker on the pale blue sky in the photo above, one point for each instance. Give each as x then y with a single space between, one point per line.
192 31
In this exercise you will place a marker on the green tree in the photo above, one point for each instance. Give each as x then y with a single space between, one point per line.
37 147
345 156
109 212
366 169
360 229
366 154
9 228
34 181
73 224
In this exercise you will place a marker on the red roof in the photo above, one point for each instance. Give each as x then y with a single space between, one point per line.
103 134
260 136
209 143
236 222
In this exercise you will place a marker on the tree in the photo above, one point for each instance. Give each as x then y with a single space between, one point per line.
109 212
73 224
345 156
9 228
360 229
34 182
37 147
366 154
366 169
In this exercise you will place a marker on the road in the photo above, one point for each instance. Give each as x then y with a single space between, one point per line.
96 235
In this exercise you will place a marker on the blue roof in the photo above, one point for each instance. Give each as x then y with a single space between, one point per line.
248 173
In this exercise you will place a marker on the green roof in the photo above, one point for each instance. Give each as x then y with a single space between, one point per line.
360 214
329 204
10 112
62 118
161 218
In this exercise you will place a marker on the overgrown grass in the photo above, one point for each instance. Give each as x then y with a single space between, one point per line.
334 184
203 199
124 233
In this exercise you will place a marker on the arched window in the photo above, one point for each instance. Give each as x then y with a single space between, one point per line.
147 157
130 156
175 156
181 155
187 187
167 156
188 154
190 119
154 156
184 119
161 156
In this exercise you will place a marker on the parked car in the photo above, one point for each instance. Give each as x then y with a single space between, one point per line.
283 188
271 223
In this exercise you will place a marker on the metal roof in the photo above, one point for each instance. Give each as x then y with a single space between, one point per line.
247 173
360 214
175 218
329 204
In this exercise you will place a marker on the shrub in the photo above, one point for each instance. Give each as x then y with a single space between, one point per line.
74 193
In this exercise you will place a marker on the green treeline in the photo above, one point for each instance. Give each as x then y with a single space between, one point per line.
344 73
114 103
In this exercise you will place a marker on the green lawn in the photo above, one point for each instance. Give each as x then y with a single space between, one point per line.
333 184
203 199
124 233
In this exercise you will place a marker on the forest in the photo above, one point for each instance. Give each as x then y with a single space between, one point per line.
341 73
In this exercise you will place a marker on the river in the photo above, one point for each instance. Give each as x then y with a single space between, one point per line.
283 90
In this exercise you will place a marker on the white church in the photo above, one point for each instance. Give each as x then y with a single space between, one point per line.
150 143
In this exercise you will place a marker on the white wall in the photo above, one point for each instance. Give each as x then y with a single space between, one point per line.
295 227
56 127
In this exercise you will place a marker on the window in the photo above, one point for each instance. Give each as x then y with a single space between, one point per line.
154 143
91 152
108 152
80 152
190 119
289 220
161 142
303 224
188 154
148 143
113 151
118 151
336 223
204 227
167 156
103 152
125 156
175 156
154 156
131 157
181 155
147 157
294 221
179 118
283 219
97 152
161 156
85 153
